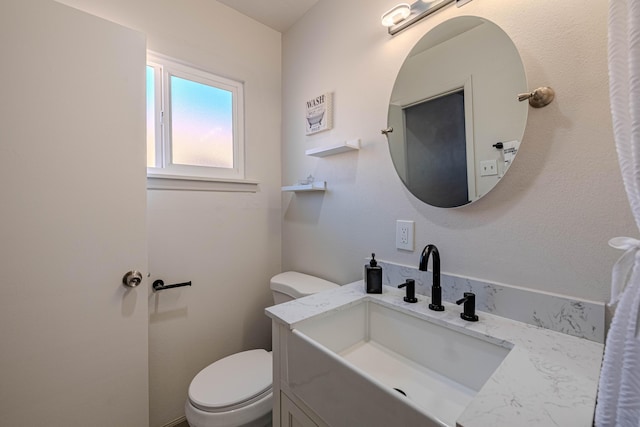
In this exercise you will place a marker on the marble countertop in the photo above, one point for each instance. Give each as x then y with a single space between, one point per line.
547 379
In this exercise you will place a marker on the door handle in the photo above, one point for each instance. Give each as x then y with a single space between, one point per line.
132 279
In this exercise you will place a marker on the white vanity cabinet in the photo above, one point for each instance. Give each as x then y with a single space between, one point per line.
291 415
315 383
288 410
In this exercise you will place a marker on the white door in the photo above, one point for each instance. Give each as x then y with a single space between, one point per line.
73 339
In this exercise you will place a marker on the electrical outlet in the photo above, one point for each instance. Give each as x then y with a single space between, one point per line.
404 235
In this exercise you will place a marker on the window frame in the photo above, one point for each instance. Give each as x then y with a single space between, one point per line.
164 68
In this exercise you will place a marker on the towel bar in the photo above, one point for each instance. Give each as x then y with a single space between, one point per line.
159 285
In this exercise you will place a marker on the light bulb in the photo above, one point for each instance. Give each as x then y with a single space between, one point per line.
396 14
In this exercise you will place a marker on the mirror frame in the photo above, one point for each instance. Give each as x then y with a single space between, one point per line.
486 66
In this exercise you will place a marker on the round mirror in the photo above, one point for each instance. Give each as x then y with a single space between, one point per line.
455 120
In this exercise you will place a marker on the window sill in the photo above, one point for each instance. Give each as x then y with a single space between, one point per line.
196 183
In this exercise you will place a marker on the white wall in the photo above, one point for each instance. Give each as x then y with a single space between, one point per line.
227 244
546 224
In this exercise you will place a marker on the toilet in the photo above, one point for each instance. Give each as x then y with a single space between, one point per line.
235 391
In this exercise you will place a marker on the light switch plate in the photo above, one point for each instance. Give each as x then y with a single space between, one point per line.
488 167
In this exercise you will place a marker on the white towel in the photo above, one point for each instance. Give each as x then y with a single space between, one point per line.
619 390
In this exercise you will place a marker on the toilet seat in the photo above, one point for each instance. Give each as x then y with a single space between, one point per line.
233 382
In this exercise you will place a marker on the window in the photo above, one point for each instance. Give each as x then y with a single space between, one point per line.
194 122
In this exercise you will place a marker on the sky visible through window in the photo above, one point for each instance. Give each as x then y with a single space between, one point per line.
201 123
151 130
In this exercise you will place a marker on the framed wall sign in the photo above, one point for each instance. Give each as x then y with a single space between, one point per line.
319 114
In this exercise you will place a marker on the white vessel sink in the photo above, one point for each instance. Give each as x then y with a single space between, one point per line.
361 353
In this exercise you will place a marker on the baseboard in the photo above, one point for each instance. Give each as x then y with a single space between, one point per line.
180 422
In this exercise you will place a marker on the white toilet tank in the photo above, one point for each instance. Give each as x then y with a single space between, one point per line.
291 285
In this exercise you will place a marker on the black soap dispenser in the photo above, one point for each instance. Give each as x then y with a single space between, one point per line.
373 276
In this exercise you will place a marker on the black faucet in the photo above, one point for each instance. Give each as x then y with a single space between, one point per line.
436 290
411 290
469 312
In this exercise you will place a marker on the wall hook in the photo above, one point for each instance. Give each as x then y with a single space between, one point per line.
539 98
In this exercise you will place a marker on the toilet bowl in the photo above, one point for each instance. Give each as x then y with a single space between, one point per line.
236 391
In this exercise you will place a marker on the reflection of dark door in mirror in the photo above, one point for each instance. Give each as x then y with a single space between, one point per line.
436 151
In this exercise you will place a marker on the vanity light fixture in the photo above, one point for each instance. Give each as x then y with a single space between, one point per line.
396 14
404 15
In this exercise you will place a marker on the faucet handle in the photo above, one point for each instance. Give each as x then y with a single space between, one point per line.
469 312
411 290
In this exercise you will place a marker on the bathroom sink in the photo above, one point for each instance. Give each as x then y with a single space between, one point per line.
386 362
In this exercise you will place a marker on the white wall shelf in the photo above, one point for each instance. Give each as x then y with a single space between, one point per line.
351 145
314 186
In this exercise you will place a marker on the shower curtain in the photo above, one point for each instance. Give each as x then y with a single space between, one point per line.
619 390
